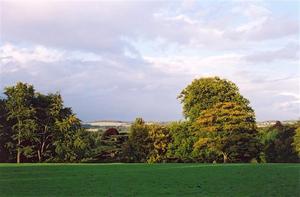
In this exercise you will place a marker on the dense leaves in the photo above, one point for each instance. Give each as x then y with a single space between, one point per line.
38 128
139 143
296 142
228 129
204 93
278 141
219 127
21 114
181 146
160 138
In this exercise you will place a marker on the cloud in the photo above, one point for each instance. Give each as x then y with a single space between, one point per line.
193 65
289 52
119 60
266 29
23 55
94 26
100 26
90 85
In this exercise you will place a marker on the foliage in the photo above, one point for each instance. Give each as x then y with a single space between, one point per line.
180 147
36 127
5 133
21 114
278 144
219 127
228 129
160 138
109 132
110 146
296 141
139 143
204 93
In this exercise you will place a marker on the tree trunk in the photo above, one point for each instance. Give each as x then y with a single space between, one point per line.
18 155
225 158
39 155
19 151
19 143
41 152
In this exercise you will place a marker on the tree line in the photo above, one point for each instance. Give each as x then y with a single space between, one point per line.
38 128
219 126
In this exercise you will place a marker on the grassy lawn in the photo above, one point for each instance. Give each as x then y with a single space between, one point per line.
149 180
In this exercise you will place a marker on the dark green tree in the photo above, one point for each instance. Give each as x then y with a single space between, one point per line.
139 143
181 146
45 125
278 144
38 128
5 132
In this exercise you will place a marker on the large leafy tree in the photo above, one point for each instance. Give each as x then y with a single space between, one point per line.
36 127
21 114
228 129
204 93
45 113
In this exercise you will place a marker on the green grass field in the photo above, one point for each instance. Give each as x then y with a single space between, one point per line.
150 180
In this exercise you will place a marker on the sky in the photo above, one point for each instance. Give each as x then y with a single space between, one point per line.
118 60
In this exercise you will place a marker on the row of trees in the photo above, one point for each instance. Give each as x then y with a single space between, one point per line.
219 126
36 128
184 142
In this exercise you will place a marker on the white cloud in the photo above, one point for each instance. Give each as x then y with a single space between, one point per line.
113 59
193 65
23 55
251 10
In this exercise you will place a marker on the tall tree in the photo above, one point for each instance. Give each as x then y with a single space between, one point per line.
204 93
48 109
228 129
21 113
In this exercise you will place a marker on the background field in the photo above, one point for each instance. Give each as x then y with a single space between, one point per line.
149 180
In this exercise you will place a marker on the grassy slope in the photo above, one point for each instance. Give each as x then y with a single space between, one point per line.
149 180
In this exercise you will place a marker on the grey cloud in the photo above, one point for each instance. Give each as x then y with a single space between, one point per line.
271 93
120 84
269 28
101 89
100 26
96 26
289 52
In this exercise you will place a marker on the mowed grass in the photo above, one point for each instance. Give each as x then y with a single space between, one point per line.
150 180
